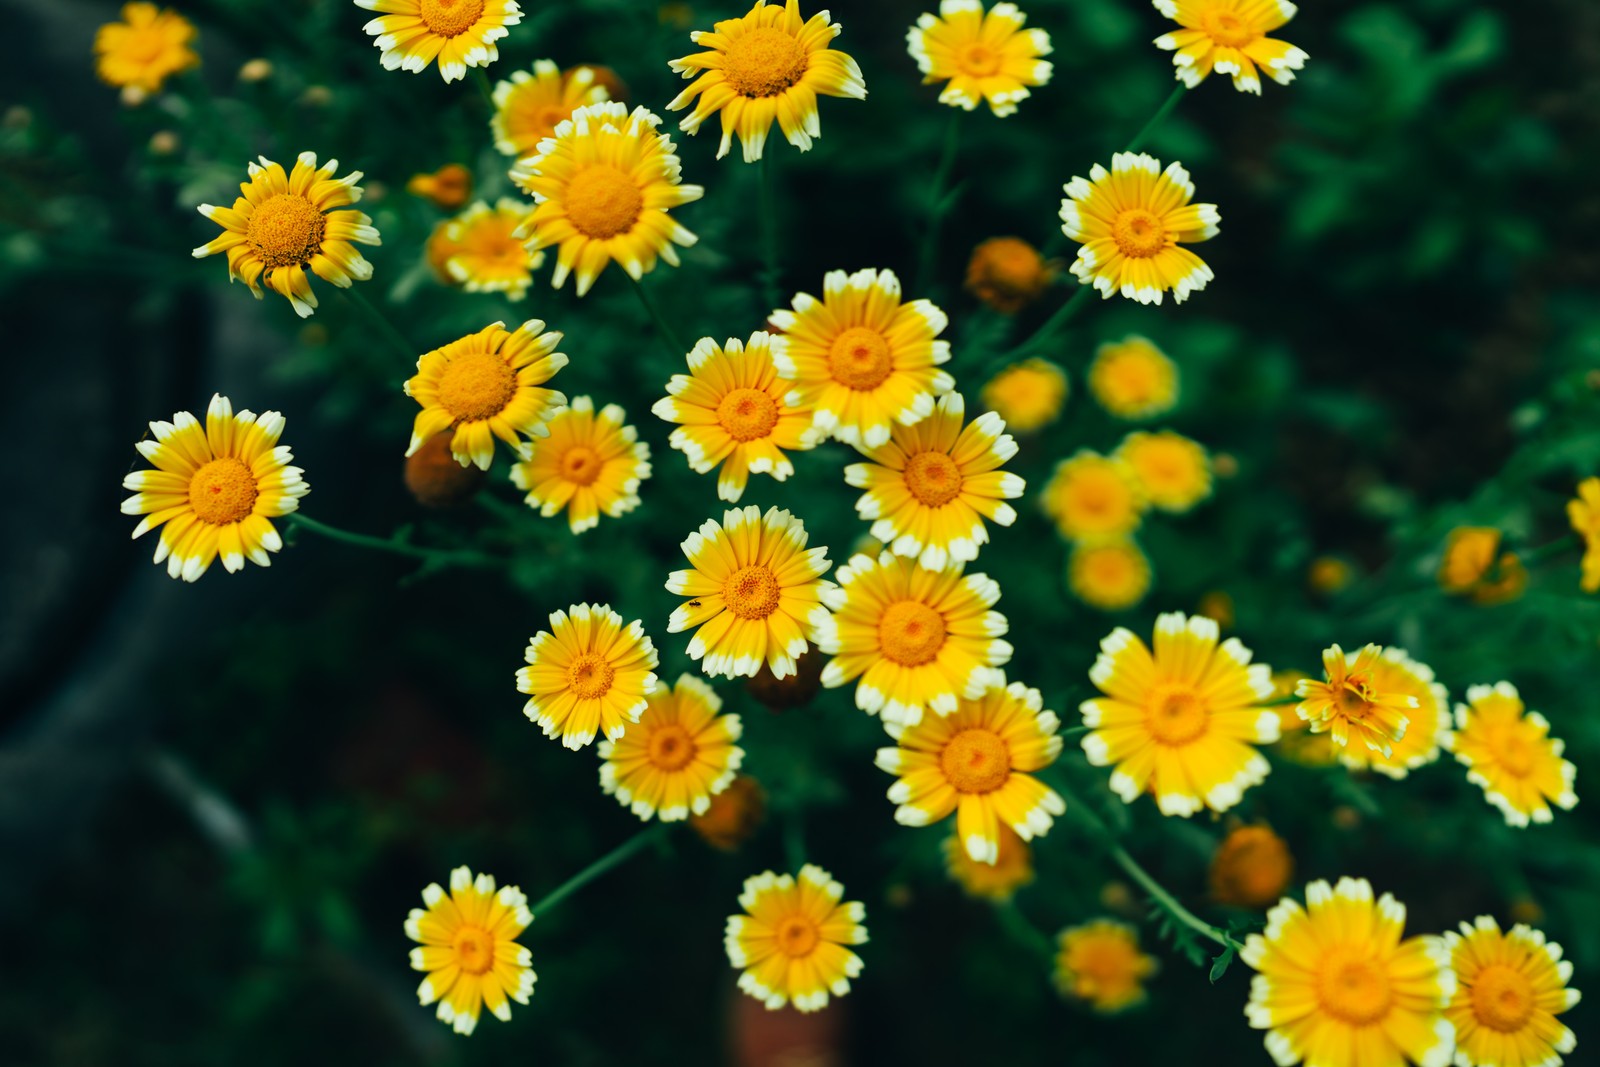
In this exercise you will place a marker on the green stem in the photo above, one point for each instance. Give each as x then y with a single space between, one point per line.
1155 120
1168 902
1535 556
1017 925
794 839
669 337
382 323
600 866
481 77
441 557
771 272
928 260
1063 314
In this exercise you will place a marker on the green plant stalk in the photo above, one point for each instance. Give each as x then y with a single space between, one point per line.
381 321
771 270
437 556
1156 120
1534 556
1168 902
794 839
481 77
1054 323
1017 925
928 258
600 866
669 337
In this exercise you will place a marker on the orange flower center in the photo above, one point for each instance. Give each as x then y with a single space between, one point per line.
223 492
752 592
1502 998
286 230
474 949
978 60
1138 233
860 358
581 465
933 478
1012 265
764 62
910 633
476 386
451 18
976 761
1517 754
747 414
590 676
552 115
603 201
797 935
1228 29
1353 987
1177 715
670 747
1352 699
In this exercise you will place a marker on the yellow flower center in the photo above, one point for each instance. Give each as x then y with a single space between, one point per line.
451 18
910 633
670 747
581 465
860 358
603 201
747 414
552 115
144 44
223 492
1517 754
752 592
763 62
1177 715
474 949
933 478
590 676
286 230
476 386
976 761
1351 699
797 935
978 60
1502 998
1138 233
1353 987
1228 29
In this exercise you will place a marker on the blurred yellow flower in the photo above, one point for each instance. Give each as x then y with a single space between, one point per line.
980 56
1429 726
1133 379
587 675
448 187
588 465
1027 395
1349 705
1584 513
1173 472
1328 575
733 814
148 46
1250 868
1111 575
435 479
1008 274
1011 870
1099 963
469 949
1510 753
1094 498
1230 37
485 256
529 107
455 34
678 755
1509 989
790 941
1473 566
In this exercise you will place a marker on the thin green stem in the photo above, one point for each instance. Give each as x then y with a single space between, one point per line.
1167 901
438 557
1535 556
771 271
600 866
1022 930
1155 120
381 322
669 337
1054 323
794 838
481 77
928 260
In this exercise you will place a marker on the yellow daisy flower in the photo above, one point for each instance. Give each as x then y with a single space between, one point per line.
1584 513
1109 575
915 638
980 56
733 814
469 949
1251 868
770 65
455 34
1133 222
732 408
1469 553
1179 722
755 593
930 488
448 187
1099 963
1328 575
1230 37
790 941
604 184
589 465
1173 472
679 755
1000 880
1510 753
487 385
1133 379
1008 274
214 489
282 225
1509 989
1338 988
1349 703
973 762
1092 497
588 674
1027 395
1429 729
529 107
486 256
142 51
860 358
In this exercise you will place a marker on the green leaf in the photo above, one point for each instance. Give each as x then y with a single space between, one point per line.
1219 966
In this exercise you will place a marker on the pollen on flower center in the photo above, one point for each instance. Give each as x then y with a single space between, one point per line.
1138 233
223 491
752 592
911 633
860 358
603 201
451 18
1228 30
1177 716
286 230
763 62
1352 701
1352 987
476 386
1502 998
1516 755
591 676
670 747
797 936
474 949
976 761
581 465
933 478
978 60
747 414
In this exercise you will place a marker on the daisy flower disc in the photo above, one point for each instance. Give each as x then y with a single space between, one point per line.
1133 379
1173 472
1094 498
588 465
1028 395
587 675
1111 575
733 409
529 106
768 66
1349 705
142 51
1230 37
1584 513
1509 752
1134 221
790 941
1337 987
1251 868
283 226
916 638
485 254
980 56
487 385
214 488
604 183
1100 964
455 34
1428 730
974 762
679 755
930 487
1509 989
1179 720
469 949
860 358
1000 880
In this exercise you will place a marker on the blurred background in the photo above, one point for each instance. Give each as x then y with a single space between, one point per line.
218 801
